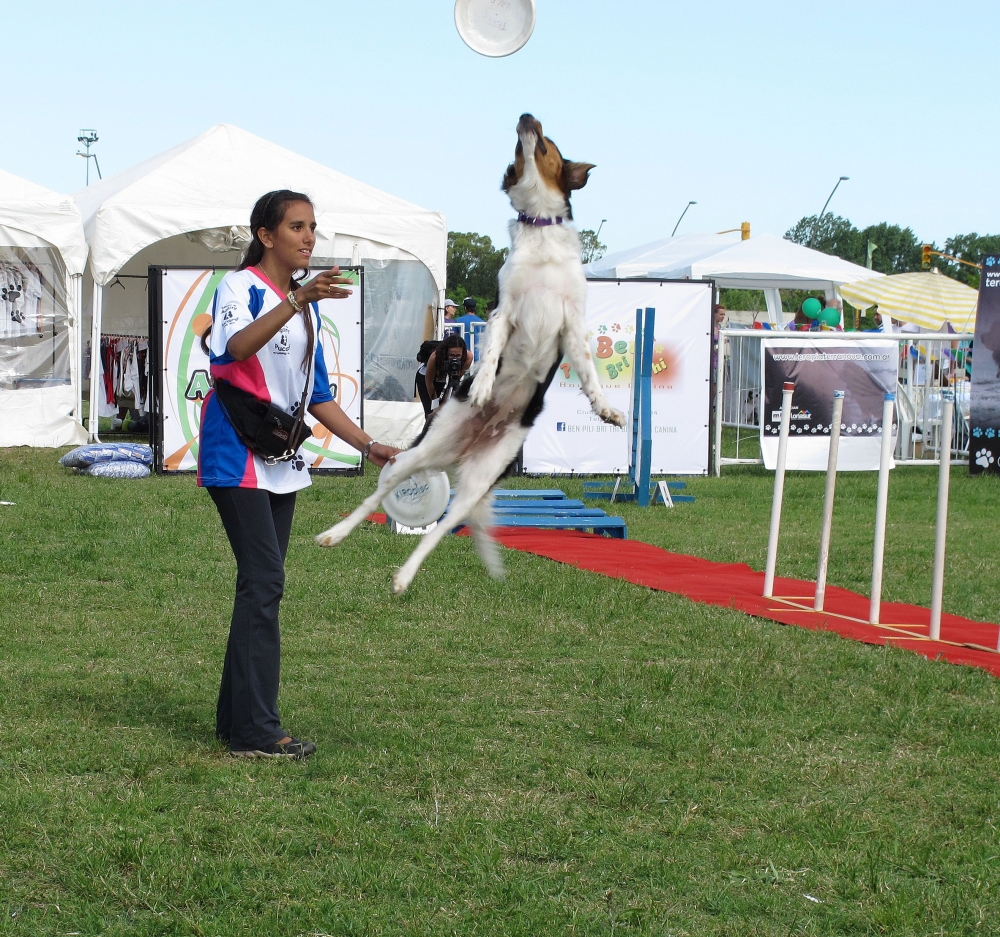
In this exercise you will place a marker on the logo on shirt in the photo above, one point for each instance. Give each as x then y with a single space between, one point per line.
229 312
281 345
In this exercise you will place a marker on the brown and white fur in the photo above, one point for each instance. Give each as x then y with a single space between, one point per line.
540 319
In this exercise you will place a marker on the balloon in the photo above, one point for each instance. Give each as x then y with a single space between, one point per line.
812 307
830 316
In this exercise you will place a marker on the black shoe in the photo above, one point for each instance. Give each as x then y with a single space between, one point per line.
295 750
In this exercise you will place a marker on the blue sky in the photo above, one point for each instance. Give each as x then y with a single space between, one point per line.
752 109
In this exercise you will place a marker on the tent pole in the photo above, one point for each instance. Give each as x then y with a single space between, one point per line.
74 286
720 370
95 357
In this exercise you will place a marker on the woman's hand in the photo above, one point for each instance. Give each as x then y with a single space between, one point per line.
379 454
326 285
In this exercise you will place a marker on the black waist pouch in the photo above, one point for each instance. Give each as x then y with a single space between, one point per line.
267 430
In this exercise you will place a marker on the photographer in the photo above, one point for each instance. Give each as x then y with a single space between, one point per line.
445 367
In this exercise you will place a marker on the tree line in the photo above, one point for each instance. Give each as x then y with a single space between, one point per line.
894 249
473 265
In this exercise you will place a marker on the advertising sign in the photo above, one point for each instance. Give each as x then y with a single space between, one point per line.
568 438
984 418
865 370
185 312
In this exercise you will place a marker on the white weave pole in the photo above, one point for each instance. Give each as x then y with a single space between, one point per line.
787 390
941 529
831 485
881 507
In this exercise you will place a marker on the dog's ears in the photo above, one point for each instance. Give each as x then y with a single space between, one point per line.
575 174
509 178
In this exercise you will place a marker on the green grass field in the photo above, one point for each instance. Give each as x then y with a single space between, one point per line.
555 754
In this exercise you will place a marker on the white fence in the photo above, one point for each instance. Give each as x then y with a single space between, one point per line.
928 363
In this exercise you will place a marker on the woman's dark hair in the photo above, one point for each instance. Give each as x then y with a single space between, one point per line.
268 213
453 340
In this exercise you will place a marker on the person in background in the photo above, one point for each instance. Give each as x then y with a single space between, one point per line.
452 355
449 310
718 318
469 307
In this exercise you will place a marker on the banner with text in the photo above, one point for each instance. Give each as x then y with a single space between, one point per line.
864 370
186 312
569 438
984 416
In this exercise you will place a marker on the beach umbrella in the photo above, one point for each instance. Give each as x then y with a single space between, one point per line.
929 300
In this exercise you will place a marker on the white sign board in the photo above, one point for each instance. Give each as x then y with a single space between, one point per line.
568 438
186 312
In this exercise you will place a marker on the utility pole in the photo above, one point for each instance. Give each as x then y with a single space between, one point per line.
819 218
88 138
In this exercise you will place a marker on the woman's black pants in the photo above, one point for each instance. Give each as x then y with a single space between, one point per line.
258 524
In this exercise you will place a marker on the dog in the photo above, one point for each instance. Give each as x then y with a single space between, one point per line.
540 319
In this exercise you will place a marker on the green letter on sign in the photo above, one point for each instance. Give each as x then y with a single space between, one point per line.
199 386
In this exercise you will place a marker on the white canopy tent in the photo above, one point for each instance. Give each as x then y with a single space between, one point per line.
192 203
658 255
766 262
43 253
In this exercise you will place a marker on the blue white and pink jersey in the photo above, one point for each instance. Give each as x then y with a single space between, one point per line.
275 374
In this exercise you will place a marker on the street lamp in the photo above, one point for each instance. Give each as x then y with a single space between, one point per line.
819 217
597 236
88 138
679 220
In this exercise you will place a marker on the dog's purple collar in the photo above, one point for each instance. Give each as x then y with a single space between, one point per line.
537 222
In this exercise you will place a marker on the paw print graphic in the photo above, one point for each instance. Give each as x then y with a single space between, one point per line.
602 329
616 328
298 464
990 432
977 432
984 458
629 329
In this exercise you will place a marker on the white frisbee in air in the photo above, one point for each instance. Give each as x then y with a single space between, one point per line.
495 27
419 500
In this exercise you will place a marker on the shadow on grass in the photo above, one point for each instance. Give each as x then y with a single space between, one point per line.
132 701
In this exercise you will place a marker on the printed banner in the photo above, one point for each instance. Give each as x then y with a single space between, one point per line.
186 314
984 417
569 438
864 370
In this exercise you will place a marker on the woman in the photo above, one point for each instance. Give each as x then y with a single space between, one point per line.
264 340
453 350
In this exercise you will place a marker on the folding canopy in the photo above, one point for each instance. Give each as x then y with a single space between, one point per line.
192 203
43 253
766 262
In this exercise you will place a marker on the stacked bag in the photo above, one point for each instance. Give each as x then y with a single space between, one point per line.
110 460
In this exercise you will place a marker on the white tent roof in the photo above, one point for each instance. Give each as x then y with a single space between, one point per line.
29 211
769 262
658 255
213 180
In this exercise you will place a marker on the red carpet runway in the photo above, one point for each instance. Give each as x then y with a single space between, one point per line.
736 585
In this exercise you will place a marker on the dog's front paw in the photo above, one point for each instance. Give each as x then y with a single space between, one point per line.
480 396
401 580
336 534
613 416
